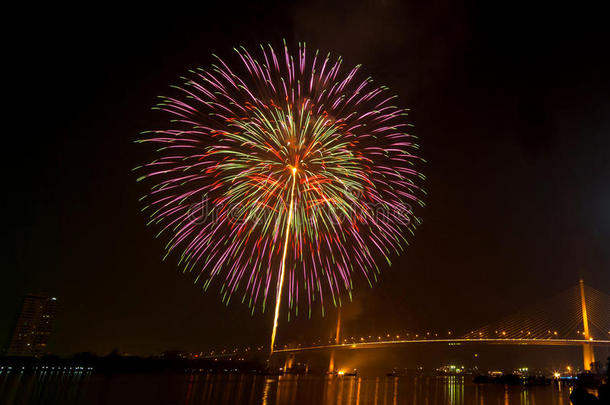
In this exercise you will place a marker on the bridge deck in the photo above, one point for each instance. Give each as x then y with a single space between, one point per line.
389 343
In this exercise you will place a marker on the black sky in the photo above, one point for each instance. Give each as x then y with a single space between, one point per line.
511 103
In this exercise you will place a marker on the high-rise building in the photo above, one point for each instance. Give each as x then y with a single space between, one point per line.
34 325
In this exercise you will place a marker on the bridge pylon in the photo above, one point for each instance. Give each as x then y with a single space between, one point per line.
289 362
331 363
587 348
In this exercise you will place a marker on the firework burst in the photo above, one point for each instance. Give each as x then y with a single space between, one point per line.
282 173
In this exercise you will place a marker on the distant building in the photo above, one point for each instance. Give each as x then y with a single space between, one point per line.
34 325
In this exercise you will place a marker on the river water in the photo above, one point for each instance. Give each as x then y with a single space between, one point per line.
52 388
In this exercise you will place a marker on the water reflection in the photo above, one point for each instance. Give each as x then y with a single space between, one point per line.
455 389
268 382
75 388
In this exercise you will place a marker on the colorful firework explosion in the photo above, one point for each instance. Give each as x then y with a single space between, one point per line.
282 165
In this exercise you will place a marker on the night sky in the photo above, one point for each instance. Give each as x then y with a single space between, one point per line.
511 103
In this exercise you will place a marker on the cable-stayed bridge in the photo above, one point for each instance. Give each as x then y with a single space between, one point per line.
579 316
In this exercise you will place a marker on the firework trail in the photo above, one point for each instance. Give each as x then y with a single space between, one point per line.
284 169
